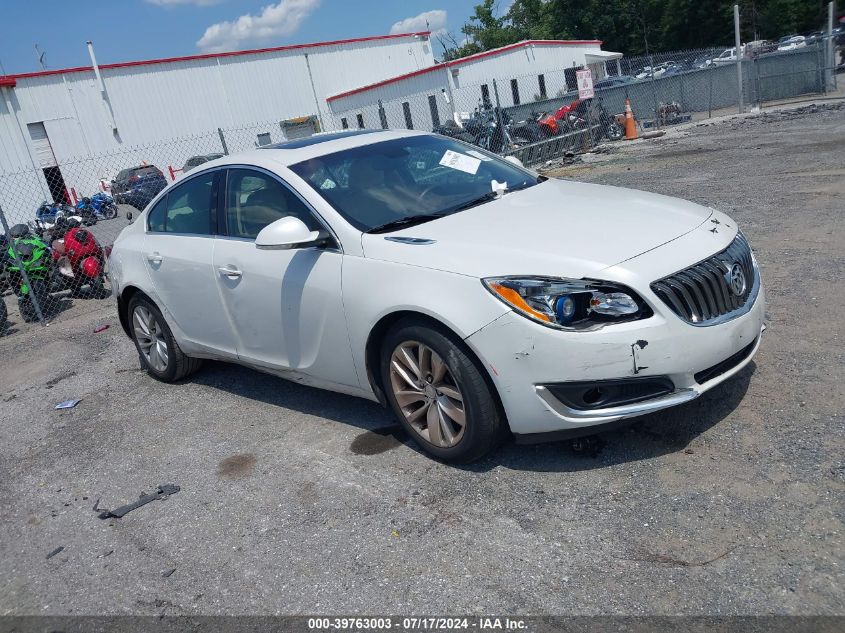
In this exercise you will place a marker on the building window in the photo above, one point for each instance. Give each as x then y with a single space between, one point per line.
485 96
406 108
382 116
360 118
435 115
515 91
541 81
571 77
344 123
264 139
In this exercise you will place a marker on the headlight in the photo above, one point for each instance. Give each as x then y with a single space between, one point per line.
570 304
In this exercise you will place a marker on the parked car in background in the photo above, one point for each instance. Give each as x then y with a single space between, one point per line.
470 296
727 56
791 42
196 161
615 80
658 70
136 186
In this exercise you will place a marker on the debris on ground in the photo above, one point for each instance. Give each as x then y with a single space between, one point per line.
162 492
168 573
589 445
567 159
68 404
101 328
55 551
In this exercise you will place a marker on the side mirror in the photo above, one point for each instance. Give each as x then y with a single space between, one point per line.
288 232
514 160
129 216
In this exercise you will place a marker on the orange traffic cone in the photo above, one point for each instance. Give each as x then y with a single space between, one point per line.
630 124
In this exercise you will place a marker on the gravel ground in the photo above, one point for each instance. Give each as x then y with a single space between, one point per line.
300 501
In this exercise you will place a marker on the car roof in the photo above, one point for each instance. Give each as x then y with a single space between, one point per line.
298 150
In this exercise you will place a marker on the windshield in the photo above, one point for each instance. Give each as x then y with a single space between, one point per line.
377 184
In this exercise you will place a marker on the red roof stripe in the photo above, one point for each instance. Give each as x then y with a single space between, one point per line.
167 60
458 62
7 82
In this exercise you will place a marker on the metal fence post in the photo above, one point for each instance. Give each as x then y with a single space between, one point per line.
654 93
738 57
24 275
710 96
223 141
830 51
502 132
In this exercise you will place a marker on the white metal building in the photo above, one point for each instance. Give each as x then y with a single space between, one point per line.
54 120
526 71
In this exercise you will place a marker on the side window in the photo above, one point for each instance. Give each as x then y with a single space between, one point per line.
188 207
254 200
155 218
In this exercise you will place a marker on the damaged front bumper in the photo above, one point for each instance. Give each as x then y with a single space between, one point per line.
535 368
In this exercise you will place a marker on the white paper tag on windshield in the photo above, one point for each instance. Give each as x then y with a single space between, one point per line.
461 162
478 155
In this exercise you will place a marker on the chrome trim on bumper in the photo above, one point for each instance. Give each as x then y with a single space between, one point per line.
615 413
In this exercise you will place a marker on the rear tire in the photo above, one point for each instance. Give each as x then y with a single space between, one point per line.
429 376
158 351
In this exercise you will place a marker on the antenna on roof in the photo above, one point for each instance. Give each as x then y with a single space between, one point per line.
42 57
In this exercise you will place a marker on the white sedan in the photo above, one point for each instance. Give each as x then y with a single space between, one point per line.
469 295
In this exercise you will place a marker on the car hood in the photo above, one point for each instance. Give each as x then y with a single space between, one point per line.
556 228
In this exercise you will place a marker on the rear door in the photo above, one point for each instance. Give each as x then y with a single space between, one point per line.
178 254
285 305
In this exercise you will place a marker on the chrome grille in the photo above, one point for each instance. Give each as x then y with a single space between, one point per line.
704 293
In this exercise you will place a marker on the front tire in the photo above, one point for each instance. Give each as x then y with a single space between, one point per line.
158 351
438 393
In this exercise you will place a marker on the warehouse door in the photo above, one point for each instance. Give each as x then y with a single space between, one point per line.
47 160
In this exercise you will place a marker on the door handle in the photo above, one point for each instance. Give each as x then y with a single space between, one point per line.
229 272
154 258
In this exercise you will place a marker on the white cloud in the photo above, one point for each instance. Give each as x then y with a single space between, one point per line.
170 3
275 21
434 21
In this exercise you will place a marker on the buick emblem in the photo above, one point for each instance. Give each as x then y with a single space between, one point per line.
736 280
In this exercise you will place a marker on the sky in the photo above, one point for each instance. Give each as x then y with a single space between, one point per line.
128 30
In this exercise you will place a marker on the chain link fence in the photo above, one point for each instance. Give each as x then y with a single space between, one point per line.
541 117
58 223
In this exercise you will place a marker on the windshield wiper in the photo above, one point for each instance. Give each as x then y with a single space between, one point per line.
403 222
487 197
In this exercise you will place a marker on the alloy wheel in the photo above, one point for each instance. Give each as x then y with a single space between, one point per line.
150 337
427 394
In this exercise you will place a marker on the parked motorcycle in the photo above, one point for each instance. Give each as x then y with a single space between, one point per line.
34 256
581 114
100 206
78 259
49 211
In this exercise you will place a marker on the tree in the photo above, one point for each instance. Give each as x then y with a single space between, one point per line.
637 26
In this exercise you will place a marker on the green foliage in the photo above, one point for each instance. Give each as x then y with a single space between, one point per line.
633 26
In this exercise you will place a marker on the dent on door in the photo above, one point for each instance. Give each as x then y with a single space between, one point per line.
286 308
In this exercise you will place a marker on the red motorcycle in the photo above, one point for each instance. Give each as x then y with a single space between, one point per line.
79 260
558 122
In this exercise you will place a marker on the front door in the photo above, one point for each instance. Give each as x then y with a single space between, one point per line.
285 305
178 252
